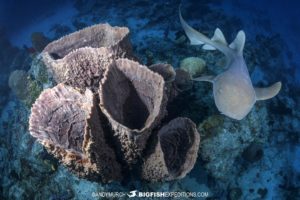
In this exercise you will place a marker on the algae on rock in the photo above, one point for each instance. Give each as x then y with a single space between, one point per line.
193 65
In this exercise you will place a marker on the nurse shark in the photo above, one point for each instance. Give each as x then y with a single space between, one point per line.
233 91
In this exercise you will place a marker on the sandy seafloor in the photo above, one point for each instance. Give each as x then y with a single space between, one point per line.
272 53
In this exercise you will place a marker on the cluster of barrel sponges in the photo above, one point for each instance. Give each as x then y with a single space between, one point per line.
103 119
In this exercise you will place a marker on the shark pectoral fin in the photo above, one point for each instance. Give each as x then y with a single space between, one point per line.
268 92
208 47
205 78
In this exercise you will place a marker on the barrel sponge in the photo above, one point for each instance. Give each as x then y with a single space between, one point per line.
102 35
96 36
183 80
133 99
67 123
175 153
83 68
168 73
165 70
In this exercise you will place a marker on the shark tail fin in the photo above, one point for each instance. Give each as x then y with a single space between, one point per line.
218 40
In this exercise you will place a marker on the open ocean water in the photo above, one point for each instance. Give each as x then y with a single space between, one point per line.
74 127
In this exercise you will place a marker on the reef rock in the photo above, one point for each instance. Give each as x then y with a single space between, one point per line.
18 83
66 122
101 35
133 99
175 153
224 142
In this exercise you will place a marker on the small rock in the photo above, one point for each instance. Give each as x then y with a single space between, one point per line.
193 65
235 193
262 192
253 152
180 40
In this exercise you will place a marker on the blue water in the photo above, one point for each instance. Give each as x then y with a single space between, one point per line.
272 47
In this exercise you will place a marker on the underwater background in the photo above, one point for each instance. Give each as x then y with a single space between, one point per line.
255 158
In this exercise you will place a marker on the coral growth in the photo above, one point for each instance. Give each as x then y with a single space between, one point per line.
232 140
18 83
98 119
24 87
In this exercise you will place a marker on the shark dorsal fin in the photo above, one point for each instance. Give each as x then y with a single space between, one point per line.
219 37
239 42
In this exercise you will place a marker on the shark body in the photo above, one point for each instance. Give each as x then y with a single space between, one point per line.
233 91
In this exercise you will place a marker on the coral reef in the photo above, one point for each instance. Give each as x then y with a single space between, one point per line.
24 87
99 117
18 83
38 70
28 171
